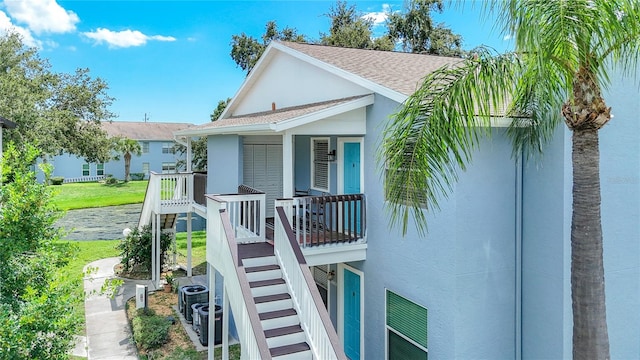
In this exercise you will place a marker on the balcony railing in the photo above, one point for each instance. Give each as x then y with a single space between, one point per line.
246 214
323 220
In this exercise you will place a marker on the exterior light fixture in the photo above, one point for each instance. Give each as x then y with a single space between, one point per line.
331 156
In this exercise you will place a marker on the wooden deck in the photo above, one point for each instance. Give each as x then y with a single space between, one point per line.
254 250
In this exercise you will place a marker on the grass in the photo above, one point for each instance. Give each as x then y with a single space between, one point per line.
198 251
94 194
89 251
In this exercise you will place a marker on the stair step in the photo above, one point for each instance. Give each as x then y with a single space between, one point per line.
279 318
253 269
259 261
265 274
269 298
262 283
289 349
273 302
286 335
277 314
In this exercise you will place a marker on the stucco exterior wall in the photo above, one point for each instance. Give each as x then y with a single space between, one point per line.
224 161
462 271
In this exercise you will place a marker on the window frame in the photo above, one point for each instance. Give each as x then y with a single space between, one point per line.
144 147
397 332
168 148
88 169
100 169
170 165
145 168
324 160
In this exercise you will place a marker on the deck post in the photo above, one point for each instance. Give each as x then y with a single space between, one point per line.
157 243
225 324
153 248
211 273
189 269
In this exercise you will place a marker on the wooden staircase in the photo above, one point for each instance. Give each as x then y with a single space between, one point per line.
167 221
285 337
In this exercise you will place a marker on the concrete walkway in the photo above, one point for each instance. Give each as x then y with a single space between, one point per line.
108 331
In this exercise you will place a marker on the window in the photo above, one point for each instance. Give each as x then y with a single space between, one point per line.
167 148
144 146
85 169
168 167
406 328
145 168
320 164
100 169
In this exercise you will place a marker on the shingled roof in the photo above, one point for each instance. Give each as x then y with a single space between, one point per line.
143 130
398 71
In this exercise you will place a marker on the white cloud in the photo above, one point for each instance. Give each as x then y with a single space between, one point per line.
7 26
378 17
42 15
123 39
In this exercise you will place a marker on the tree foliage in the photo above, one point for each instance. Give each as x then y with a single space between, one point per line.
414 28
127 147
222 104
350 29
36 305
55 112
565 52
246 50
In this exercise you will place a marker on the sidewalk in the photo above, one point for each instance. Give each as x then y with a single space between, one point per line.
107 329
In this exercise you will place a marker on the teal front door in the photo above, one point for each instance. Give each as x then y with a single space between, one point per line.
351 171
351 314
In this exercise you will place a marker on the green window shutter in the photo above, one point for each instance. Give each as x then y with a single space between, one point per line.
407 318
401 349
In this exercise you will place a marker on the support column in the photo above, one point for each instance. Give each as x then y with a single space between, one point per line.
212 310
153 247
287 165
225 324
189 269
158 250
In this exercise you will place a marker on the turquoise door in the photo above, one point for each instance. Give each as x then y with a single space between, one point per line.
351 315
351 171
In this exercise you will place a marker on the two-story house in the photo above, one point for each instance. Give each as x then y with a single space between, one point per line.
300 244
156 142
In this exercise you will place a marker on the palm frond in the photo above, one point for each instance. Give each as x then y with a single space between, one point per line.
437 129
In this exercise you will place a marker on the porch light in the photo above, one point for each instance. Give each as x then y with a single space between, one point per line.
331 156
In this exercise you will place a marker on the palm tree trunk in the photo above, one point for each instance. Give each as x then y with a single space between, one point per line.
590 336
127 166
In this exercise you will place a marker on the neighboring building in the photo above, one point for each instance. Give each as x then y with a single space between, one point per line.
158 152
489 281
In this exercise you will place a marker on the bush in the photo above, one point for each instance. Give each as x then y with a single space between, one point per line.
110 180
150 331
136 249
136 176
56 180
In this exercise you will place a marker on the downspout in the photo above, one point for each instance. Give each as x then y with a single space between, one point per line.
518 258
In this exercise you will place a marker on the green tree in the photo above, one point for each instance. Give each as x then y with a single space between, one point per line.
246 50
56 112
349 29
564 51
127 147
415 29
222 104
36 304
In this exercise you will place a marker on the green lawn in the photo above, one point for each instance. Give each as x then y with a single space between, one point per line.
198 250
91 195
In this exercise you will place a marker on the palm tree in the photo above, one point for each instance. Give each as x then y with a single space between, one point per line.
127 147
564 53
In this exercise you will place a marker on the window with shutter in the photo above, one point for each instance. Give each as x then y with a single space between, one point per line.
320 166
406 324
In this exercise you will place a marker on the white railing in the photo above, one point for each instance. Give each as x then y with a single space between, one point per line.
166 193
83 179
247 216
222 251
314 318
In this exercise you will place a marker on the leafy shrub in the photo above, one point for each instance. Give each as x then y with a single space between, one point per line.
56 180
150 331
110 180
135 249
136 176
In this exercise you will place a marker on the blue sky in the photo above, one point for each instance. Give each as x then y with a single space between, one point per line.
170 59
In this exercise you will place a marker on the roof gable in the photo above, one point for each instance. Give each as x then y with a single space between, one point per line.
153 131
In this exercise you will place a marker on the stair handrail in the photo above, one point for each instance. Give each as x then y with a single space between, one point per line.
244 308
314 317
151 199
